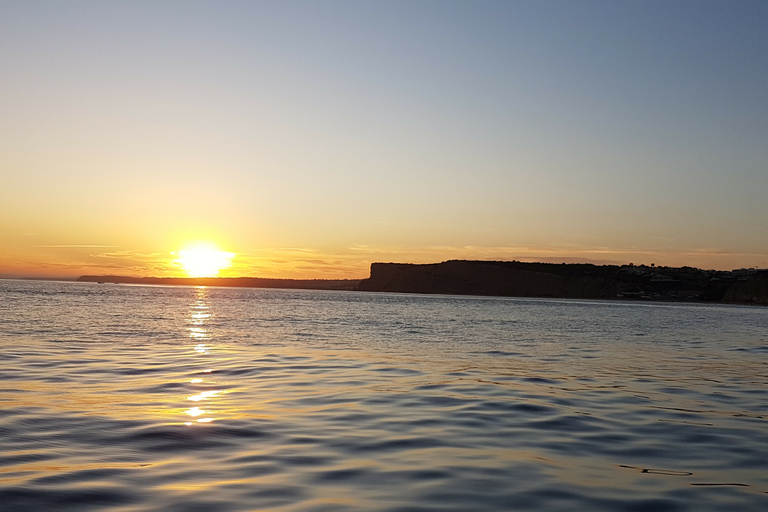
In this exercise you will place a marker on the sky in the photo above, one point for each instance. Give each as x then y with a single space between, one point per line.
311 138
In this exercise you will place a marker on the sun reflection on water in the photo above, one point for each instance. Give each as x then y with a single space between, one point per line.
199 315
195 411
204 395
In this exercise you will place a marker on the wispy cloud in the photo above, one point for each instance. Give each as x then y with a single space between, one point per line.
129 254
75 246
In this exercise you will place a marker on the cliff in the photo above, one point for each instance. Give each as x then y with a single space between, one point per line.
751 291
491 278
584 281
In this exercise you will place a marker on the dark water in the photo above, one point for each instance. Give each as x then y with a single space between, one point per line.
129 398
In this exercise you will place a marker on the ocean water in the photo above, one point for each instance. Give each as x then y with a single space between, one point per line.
140 398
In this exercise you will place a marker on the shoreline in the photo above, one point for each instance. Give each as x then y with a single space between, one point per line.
510 279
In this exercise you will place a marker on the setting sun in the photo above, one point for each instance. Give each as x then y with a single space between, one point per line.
203 260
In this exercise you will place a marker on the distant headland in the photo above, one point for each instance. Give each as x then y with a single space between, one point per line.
239 282
518 279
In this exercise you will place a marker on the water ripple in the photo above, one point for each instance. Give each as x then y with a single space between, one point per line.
297 401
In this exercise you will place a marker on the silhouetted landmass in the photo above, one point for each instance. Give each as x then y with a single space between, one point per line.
517 279
242 282
751 291
582 281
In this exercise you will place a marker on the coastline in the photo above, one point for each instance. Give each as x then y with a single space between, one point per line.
235 282
516 279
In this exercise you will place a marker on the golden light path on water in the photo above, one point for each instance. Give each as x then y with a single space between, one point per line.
199 315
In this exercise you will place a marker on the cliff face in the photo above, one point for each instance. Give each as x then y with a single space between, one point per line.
485 278
583 281
752 291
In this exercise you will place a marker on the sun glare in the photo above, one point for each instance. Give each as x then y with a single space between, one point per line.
204 260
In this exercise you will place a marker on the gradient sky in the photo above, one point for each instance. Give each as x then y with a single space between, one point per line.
313 138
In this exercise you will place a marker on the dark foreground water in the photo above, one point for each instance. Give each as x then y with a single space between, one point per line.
130 398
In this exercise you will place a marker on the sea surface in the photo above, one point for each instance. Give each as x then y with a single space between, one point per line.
148 398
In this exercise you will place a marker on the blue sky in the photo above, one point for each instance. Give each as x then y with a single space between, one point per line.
312 138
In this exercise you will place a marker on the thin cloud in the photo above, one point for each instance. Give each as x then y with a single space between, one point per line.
129 254
75 246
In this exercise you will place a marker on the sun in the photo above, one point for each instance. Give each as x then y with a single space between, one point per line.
203 260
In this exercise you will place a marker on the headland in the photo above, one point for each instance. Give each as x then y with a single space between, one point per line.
517 279
577 281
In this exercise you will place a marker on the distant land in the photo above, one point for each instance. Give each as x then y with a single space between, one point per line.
241 282
573 280
518 279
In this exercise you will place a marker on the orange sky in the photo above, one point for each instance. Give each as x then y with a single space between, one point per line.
73 260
